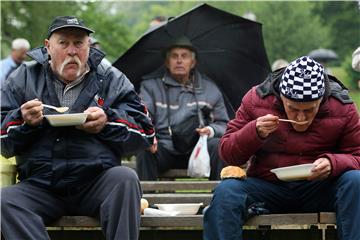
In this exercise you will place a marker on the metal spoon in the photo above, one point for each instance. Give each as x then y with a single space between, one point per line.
292 121
58 109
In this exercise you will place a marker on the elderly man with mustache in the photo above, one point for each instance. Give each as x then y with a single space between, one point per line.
71 170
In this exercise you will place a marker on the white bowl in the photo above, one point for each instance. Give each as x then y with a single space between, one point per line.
182 208
71 119
292 173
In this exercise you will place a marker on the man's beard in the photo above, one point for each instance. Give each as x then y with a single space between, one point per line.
68 60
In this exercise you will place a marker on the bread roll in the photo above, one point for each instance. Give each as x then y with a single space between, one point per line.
232 172
144 204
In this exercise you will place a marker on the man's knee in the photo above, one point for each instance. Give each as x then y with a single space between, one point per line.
351 179
6 197
9 194
228 188
121 173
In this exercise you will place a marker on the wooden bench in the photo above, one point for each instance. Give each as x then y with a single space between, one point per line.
273 221
286 223
170 174
200 191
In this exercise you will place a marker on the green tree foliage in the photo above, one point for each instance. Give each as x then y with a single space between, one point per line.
343 19
290 29
113 35
30 20
147 10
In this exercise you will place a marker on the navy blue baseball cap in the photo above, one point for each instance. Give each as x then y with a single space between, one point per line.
67 22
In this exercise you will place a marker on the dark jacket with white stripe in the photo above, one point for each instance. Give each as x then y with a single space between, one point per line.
59 156
182 104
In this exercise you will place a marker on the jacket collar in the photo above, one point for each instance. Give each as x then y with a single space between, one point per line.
168 80
41 56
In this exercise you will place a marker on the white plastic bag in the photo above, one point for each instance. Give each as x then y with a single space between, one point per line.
199 162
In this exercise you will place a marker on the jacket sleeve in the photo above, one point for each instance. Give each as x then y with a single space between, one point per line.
241 140
15 134
220 116
129 128
347 155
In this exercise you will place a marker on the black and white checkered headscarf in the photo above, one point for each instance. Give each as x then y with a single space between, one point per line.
303 80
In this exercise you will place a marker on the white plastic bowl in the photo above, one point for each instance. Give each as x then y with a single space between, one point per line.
181 208
71 119
292 173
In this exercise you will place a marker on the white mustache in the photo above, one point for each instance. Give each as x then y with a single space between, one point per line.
68 60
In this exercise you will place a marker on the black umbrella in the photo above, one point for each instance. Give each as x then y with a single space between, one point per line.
230 50
323 55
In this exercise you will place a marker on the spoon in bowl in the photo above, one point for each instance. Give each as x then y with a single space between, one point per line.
292 121
58 109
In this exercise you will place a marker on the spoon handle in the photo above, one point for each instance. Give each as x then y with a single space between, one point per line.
291 121
58 109
49 106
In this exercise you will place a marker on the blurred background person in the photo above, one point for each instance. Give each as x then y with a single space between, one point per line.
249 15
356 60
96 44
19 47
157 21
176 99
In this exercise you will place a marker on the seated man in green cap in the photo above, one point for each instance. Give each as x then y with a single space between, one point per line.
181 101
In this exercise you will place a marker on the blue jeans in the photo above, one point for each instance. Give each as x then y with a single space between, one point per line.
228 210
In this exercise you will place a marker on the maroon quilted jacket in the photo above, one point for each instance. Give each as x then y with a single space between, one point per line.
334 133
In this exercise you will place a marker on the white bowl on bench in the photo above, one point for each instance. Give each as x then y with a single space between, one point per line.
182 208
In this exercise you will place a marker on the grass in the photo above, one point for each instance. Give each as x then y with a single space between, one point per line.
341 74
355 95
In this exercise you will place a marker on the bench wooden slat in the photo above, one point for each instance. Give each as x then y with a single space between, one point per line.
283 219
178 198
327 218
76 221
178 185
196 221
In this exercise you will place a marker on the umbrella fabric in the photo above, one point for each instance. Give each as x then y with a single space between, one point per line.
230 51
323 55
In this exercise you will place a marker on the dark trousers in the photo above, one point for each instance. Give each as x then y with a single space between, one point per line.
149 165
224 219
114 198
